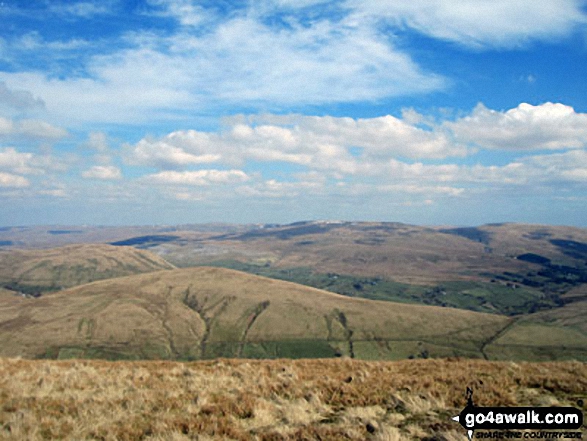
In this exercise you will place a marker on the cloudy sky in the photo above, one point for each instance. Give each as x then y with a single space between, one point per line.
166 112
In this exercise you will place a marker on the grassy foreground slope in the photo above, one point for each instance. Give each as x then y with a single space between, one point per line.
36 271
268 400
201 313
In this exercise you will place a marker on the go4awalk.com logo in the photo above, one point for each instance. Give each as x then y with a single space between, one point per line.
509 422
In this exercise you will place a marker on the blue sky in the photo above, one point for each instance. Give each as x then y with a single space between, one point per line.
167 112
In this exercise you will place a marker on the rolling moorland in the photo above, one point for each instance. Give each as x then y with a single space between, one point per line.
399 319
509 292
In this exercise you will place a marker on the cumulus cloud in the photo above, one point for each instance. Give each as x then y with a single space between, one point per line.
547 126
175 150
18 99
197 178
568 166
54 192
30 128
203 64
321 143
400 154
39 129
98 142
26 163
15 161
10 180
107 173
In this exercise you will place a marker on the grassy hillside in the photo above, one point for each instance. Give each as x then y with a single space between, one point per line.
495 297
404 253
541 335
509 269
211 312
36 271
268 400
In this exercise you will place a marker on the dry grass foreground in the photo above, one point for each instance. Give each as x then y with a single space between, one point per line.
267 400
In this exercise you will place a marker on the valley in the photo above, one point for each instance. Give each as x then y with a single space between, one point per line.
381 291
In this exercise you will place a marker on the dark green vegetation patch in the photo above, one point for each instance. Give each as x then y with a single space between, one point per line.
58 232
534 258
471 233
146 241
571 248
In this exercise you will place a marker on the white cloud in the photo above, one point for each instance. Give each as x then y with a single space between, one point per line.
54 192
569 166
213 68
379 155
33 41
526 127
178 149
478 23
6 126
277 189
241 57
39 129
422 189
30 128
80 9
97 141
337 145
10 180
197 178
103 172
12 160
185 11
19 99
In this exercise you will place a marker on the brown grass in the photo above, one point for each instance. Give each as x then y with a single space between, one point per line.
267 400
149 316
404 253
75 265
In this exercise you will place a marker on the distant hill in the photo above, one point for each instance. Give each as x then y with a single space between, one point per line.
532 279
37 271
508 269
211 312
404 253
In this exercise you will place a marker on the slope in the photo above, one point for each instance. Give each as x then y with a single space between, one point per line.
208 312
36 271
509 269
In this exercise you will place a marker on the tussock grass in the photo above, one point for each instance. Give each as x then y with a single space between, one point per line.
266 400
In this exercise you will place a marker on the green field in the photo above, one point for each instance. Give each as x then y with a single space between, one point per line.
490 297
